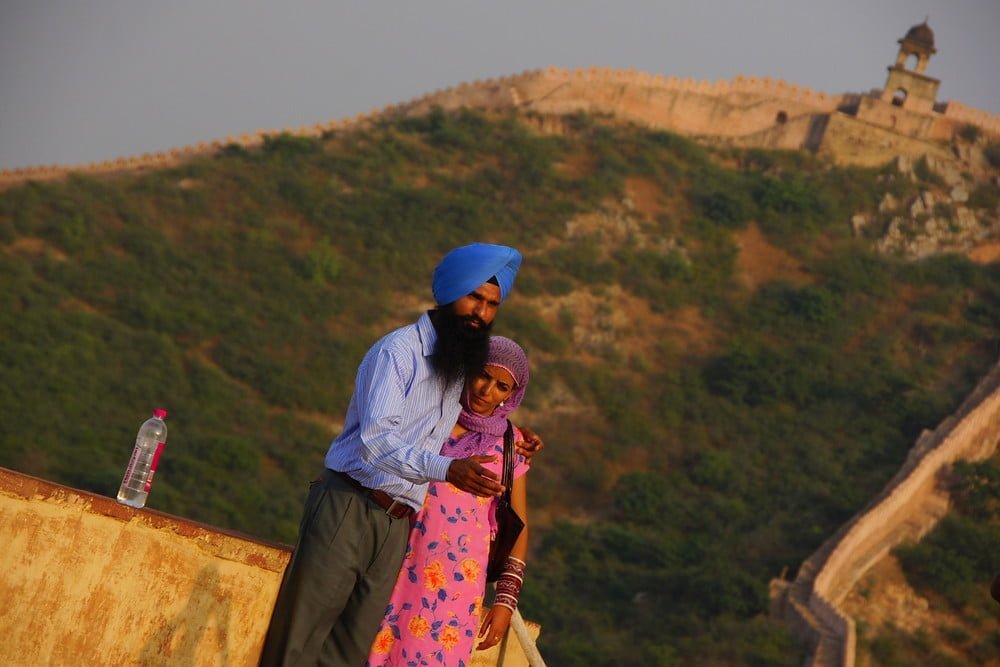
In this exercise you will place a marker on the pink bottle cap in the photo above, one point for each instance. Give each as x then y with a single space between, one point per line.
160 412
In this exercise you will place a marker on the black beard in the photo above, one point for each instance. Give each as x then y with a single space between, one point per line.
460 348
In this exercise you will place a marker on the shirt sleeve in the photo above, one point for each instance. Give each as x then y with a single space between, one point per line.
381 391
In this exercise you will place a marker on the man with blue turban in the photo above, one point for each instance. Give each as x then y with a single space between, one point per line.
356 520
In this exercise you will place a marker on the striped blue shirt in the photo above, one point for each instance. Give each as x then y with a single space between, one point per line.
399 416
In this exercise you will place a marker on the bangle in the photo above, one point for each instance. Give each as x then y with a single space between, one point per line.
508 585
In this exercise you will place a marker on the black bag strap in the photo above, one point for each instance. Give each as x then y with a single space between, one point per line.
507 478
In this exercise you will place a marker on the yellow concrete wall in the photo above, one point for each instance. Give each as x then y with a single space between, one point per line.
87 581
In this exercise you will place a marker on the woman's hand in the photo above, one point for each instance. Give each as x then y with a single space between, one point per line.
494 626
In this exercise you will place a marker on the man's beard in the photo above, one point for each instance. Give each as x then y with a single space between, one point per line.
460 348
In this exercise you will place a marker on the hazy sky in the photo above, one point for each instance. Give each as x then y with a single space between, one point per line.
87 80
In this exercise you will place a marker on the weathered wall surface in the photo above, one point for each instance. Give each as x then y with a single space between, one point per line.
909 506
87 581
850 140
963 114
723 109
719 109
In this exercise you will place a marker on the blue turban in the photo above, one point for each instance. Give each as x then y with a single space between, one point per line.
464 269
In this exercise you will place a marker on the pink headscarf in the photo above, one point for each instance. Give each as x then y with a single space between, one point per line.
484 429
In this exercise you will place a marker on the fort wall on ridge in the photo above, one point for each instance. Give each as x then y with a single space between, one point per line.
908 507
749 111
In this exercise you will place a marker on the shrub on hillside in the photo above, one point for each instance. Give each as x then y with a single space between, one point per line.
721 196
985 196
970 133
790 206
795 311
992 154
924 173
753 374
285 146
463 130
962 553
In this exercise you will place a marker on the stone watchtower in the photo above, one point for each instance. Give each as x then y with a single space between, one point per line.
907 85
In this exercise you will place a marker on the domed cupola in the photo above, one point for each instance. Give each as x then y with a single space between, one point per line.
920 36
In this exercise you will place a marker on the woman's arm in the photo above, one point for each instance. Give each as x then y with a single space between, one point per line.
497 619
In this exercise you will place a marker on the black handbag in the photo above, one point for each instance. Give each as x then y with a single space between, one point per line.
509 524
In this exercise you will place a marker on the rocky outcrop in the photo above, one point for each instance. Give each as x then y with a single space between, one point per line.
937 219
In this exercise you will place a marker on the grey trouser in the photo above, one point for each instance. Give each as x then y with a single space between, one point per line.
334 592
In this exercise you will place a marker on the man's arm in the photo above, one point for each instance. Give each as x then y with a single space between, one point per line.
380 395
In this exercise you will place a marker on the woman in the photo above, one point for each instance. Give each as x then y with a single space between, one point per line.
434 613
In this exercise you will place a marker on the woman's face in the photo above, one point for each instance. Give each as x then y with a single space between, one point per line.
487 388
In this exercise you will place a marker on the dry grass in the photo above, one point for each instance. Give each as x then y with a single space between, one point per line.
760 262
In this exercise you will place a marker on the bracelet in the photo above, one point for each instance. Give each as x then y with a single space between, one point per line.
508 586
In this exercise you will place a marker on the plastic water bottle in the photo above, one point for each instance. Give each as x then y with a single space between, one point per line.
146 455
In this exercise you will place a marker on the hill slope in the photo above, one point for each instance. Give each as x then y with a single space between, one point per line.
722 370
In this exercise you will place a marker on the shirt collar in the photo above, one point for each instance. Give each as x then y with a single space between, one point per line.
427 333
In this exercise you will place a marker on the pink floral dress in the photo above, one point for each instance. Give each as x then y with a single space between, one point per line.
433 615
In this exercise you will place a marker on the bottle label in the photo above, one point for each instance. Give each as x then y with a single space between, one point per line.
152 466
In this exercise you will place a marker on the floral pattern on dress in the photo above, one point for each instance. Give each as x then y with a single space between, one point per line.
434 612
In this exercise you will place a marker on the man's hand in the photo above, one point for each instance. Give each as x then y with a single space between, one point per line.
469 475
531 445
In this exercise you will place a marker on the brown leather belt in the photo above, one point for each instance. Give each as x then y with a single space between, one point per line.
394 508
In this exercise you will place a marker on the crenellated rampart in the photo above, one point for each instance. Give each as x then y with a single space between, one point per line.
768 112
972 116
909 506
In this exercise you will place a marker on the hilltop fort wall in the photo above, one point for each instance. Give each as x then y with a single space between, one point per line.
698 108
907 508
763 112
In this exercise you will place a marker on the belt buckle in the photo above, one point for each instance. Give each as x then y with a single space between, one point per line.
391 509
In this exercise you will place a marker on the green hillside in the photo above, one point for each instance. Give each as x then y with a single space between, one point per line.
710 417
